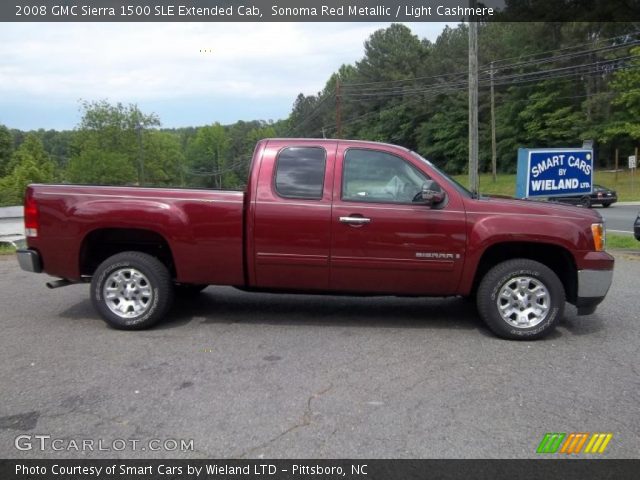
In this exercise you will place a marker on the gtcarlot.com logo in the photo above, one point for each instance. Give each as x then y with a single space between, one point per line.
49 443
574 443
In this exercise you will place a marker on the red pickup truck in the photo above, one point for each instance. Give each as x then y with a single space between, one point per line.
321 216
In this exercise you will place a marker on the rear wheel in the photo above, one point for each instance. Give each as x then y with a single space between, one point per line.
131 290
585 201
521 299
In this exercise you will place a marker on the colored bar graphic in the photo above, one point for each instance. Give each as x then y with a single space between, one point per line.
581 443
569 444
551 442
598 443
573 443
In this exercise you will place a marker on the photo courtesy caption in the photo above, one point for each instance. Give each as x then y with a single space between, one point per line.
97 471
209 469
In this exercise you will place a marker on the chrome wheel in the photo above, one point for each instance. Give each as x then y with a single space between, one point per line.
127 293
523 302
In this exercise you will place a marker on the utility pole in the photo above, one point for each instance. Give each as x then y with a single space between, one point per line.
338 110
633 173
473 102
494 154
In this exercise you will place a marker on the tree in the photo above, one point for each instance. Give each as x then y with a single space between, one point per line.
442 138
29 164
243 137
548 122
625 86
99 167
115 134
208 156
392 53
57 144
306 118
6 149
164 160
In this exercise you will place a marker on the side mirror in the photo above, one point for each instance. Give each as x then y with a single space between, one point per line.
430 195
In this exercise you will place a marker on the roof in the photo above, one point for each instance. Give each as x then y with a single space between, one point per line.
369 143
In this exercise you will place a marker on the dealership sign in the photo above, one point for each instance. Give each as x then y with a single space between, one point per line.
546 172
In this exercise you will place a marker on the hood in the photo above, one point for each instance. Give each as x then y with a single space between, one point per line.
500 204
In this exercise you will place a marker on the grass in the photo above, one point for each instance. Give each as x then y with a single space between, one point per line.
7 249
628 187
622 242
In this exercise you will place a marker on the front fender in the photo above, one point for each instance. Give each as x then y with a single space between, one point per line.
484 232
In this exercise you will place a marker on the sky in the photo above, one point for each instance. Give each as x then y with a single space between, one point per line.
190 74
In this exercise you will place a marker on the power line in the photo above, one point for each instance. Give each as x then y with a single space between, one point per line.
230 168
314 113
623 36
486 69
598 67
461 81
571 55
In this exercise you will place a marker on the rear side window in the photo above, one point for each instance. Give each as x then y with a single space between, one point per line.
300 172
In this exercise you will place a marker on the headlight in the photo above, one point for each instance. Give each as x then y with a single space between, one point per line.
599 236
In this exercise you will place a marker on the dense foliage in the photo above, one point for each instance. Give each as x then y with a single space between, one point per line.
556 84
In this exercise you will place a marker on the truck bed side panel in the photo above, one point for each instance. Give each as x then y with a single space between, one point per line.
204 229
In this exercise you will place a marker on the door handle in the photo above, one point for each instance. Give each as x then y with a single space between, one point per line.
355 220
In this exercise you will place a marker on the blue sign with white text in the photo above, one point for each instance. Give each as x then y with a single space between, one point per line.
554 172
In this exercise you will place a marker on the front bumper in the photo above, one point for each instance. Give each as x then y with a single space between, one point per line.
29 260
593 286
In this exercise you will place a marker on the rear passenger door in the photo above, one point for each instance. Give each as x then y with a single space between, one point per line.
292 237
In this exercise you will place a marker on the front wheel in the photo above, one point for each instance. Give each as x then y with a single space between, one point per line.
131 290
521 299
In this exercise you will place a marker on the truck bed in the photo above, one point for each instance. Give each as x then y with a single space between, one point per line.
203 229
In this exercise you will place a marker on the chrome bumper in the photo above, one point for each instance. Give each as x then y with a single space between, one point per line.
29 260
594 283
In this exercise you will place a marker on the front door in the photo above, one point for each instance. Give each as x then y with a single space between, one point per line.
385 239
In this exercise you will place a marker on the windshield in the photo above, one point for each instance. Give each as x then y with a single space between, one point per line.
453 182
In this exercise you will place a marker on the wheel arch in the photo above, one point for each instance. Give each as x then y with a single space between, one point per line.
102 243
557 258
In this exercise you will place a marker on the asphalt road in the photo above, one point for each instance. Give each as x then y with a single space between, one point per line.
619 218
265 376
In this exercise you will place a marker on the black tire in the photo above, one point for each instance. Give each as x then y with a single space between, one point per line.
585 202
148 286
188 289
606 204
498 279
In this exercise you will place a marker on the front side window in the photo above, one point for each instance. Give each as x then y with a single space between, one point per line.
374 176
300 172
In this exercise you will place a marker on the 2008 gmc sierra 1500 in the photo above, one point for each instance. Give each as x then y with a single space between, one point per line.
321 216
